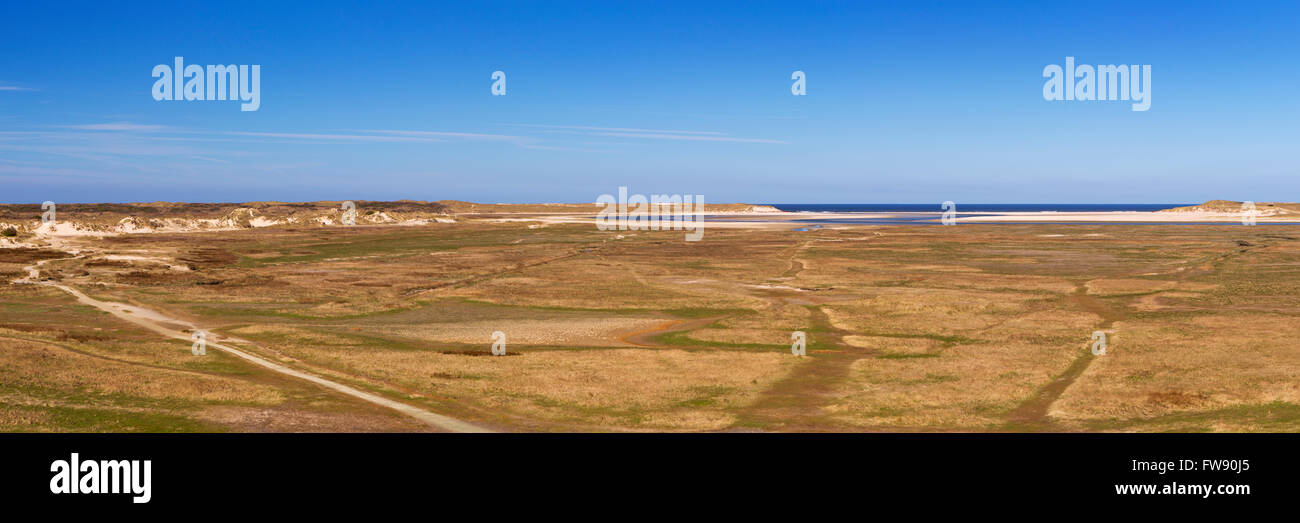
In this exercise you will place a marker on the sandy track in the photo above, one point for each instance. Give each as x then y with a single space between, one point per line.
176 329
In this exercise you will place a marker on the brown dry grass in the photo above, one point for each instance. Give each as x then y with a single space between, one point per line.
911 328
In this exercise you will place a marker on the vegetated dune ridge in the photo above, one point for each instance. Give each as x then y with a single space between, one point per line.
89 219
1234 207
115 218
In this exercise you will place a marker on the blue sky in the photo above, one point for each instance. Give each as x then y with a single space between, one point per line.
907 102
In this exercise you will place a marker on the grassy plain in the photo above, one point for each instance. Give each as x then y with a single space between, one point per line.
914 328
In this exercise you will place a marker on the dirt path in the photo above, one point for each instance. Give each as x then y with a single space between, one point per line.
646 338
795 403
180 330
796 266
1034 410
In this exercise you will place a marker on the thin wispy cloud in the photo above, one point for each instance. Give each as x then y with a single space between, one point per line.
387 135
335 138
23 134
566 149
415 136
394 135
649 134
662 136
147 151
116 126
447 134
613 129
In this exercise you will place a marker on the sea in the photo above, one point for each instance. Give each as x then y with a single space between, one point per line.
927 214
974 207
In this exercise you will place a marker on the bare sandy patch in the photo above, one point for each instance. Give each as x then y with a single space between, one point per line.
743 335
891 345
1112 286
595 332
